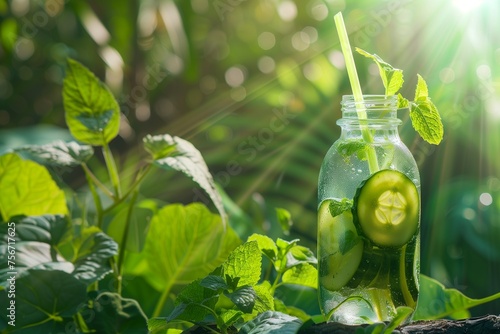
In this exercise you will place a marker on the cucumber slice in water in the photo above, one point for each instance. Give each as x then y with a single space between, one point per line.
341 248
386 209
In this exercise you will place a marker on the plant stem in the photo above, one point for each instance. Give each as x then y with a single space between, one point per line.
96 181
163 298
123 244
112 170
95 196
356 91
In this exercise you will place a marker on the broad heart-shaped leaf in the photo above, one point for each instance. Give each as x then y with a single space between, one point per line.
272 322
391 77
302 274
426 121
46 298
244 262
185 243
114 314
34 239
27 189
435 301
57 154
92 113
170 152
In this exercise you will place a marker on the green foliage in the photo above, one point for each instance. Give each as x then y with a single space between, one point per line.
436 301
92 113
28 189
57 154
272 322
338 207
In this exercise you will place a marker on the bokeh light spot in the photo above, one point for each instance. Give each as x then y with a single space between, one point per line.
337 59
238 93
208 84
319 11
266 64
447 75
469 214
300 41
266 40
24 48
483 72
235 76
287 10
486 199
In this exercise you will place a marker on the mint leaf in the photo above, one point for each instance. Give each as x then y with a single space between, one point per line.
214 282
426 121
28 189
300 254
303 274
178 154
92 113
421 92
402 102
265 300
266 245
349 147
347 241
284 219
191 301
57 153
243 298
391 77
229 317
244 262
338 207
194 239
271 322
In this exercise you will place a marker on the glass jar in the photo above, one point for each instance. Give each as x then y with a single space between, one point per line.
368 217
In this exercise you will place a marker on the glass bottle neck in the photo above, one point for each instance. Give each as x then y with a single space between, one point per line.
376 114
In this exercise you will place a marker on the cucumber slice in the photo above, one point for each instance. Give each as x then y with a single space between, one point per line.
340 248
386 209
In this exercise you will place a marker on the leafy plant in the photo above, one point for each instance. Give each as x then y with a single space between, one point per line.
76 265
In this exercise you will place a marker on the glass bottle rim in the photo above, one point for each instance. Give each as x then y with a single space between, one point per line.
372 110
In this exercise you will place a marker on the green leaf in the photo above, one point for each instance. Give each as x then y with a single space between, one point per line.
189 301
421 92
265 300
92 113
140 220
338 207
266 245
114 314
436 302
284 219
28 189
57 154
244 298
35 240
426 121
45 300
244 262
272 322
300 254
229 317
402 102
402 313
178 154
214 282
185 243
303 274
347 148
391 77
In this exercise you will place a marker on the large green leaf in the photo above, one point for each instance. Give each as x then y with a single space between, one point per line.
34 239
170 152
57 153
272 322
245 263
302 274
45 301
185 243
38 246
114 314
435 301
27 189
92 113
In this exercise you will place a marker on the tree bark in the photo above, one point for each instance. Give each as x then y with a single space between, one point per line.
481 325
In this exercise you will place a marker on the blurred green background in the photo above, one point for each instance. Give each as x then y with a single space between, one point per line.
256 86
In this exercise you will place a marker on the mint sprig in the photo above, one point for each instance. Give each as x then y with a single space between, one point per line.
424 115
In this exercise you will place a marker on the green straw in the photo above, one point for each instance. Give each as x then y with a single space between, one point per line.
356 90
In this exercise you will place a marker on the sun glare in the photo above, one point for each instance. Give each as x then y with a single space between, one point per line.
467 6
